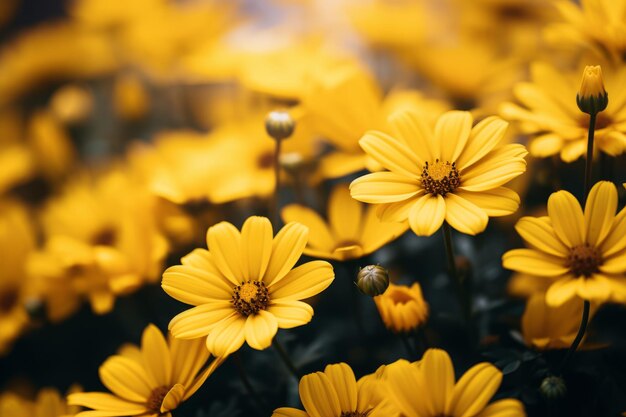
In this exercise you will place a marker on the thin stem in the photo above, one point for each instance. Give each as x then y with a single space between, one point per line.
286 359
275 209
261 405
581 333
407 345
589 160
454 273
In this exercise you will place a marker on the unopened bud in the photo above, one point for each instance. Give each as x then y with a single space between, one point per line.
372 280
279 125
553 387
592 98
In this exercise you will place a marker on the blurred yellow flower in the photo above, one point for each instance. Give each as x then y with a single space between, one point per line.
352 230
48 403
453 172
151 380
72 103
244 287
402 308
336 393
433 378
546 327
130 98
584 253
549 113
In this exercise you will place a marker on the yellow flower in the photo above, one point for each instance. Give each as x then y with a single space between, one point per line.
584 253
244 287
48 403
549 113
402 308
352 230
546 327
453 173
151 380
592 83
336 393
433 379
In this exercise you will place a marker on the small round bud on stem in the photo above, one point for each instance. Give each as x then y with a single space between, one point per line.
553 387
372 280
592 98
279 125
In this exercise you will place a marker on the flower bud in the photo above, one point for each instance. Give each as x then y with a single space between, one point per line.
279 125
402 308
553 387
592 98
372 280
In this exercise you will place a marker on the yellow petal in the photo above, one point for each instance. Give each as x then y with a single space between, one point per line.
546 145
318 396
303 282
403 380
343 381
498 167
188 356
377 233
504 408
567 218
465 216
319 235
287 248
200 320
595 288
427 215
615 264
256 246
600 211
534 262
474 390
561 291
289 412
126 379
106 402
156 355
483 138
384 187
173 398
616 238
199 380
414 131
538 232
573 150
500 201
260 329
396 212
451 134
194 286
228 337
391 154
290 314
224 242
344 214
438 373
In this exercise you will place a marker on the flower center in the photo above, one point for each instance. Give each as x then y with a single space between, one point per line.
583 260
440 178
250 297
8 299
355 413
265 160
156 399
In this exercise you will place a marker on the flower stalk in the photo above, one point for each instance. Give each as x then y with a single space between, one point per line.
284 356
461 285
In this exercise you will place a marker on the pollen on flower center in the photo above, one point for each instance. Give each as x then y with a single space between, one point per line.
584 260
250 297
156 399
355 413
440 178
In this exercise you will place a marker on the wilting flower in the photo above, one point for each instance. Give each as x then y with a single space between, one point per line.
151 380
402 308
336 393
433 378
584 253
352 230
546 327
454 173
244 287
549 113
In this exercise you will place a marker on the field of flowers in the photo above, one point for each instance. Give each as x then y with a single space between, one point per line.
312 208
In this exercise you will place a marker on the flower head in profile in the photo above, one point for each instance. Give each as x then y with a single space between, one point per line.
151 380
453 173
244 288
592 98
439 395
336 393
402 308
584 253
352 230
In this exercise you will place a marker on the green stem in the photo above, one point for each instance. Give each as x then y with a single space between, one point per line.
460 285
261 405
407 345
581 333
275 205
286 359
589 160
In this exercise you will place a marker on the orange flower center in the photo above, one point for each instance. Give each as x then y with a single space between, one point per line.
105 237
250 297
440 178
156 399
355 413
583 260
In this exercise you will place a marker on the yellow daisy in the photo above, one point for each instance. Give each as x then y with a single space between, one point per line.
244 287
151 380
433 379
352 231
336 393
549 113
453 172
48 403
584 253
402 308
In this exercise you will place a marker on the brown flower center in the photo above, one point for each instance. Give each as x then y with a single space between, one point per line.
265 160
105 237
440 178
355 413
250 297
8 299
584 260
156 399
